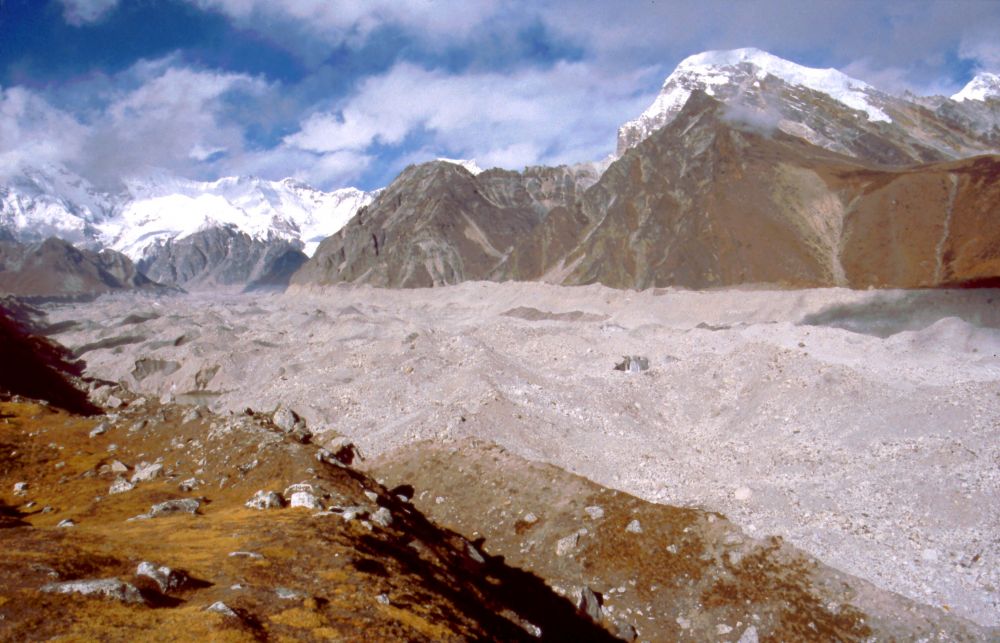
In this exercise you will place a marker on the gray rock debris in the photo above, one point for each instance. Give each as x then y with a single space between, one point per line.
595 512
627 632
287 420
20 488
67 522
221 608
634 527
100 429
590 605
266 500
350 513
181 505
118 466
107 588
301 495
633 364
121 485
166 579
568 544
749 635
382 517
145 471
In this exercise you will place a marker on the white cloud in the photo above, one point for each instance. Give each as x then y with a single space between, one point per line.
354 20
567 113
82 12
32 132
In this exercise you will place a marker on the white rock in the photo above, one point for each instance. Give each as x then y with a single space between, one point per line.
121 485
634 527
145 472
530 518
567 544
265 500
742 494
20 488
165 578
100 429
221 608
595 512
68 522
749 635
106 588
382 517
304 499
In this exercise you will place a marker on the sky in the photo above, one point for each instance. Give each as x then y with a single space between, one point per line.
343 93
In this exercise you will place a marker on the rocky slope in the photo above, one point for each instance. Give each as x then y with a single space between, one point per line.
170 522
54 269
712 199
828 109
438 223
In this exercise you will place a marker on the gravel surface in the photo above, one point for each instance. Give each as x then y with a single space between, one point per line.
860 426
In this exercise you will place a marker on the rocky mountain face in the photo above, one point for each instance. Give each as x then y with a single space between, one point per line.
189 233
223 257
714 198
438 223
713 201
55 269
829 109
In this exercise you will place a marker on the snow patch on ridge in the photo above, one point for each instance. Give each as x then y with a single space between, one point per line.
985 85
706 70
470 165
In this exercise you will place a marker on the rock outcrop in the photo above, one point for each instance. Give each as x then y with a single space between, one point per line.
55 269
223 257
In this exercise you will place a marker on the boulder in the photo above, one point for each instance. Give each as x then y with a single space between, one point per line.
145 472
180 505
120 485
106 588
633 364
166 579
590 605
266 500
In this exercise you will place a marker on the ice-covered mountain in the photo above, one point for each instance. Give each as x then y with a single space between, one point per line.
245 223
983 87
825 107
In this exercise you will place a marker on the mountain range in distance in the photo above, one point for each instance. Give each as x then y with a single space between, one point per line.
746 169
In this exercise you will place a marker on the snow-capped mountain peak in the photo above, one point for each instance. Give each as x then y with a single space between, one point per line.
733 75
469 165
985 85
52 201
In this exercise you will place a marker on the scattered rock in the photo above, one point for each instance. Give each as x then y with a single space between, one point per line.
193 415
113 402
245 554
749 635
627 632
343 450
20 488
473 552
189 485
304 499
590 605
722 629
287 594
221 608
287 420
382 599
120 485
107 588
165 578
633 364
119 467
634 527
350 513
100 429
595 512
145 472
180 505
567 544
266 500
382 517
66 522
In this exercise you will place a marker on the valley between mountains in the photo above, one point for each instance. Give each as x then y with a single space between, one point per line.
739 381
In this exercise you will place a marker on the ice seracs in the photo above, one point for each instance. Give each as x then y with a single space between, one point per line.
984 86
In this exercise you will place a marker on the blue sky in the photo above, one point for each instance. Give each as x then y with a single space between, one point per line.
338 93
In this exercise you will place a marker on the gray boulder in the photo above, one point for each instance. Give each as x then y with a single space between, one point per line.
105 588
166 579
